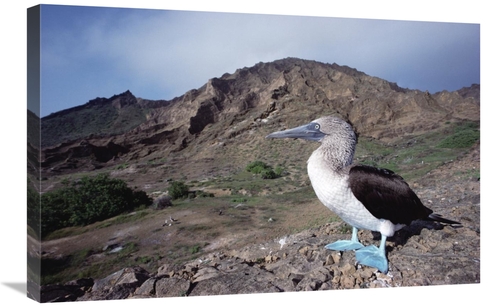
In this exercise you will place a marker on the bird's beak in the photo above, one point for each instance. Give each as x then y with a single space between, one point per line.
306 132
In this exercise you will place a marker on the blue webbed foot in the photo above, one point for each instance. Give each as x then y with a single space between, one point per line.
374 256
346 245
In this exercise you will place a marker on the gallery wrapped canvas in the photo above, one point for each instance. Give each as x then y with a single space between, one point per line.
149 174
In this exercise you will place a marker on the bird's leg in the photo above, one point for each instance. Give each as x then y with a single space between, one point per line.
346 245
374 256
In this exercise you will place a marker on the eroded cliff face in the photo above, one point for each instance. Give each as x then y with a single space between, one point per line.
239 109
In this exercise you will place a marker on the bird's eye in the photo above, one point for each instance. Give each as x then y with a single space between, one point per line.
314 127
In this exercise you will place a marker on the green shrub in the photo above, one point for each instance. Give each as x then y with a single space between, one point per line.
195 249
178 189
265 171
280 171
268 173
257 167
88 200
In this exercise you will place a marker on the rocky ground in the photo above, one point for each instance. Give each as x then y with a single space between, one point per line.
424 253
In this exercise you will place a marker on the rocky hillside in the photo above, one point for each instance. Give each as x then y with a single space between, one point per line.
235 111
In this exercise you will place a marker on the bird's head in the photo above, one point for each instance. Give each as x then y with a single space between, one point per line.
321 129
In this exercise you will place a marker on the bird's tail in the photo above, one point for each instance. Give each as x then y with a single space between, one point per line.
439 218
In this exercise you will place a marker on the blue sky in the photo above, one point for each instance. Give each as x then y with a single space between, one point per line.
90 52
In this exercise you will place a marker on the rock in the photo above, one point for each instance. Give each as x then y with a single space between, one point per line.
347 269
236 280
174 286
147 289
118 285
165 270
70 291
347 281
206 273
333 258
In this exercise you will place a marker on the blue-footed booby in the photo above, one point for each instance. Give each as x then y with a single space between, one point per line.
365 197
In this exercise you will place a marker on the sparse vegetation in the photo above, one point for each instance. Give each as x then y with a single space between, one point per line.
414 156
464 136
122 166
204 194
195 249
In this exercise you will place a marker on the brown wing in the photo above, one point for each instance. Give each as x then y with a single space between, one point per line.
386 195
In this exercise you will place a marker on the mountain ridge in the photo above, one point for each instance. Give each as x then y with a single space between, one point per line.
238 109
